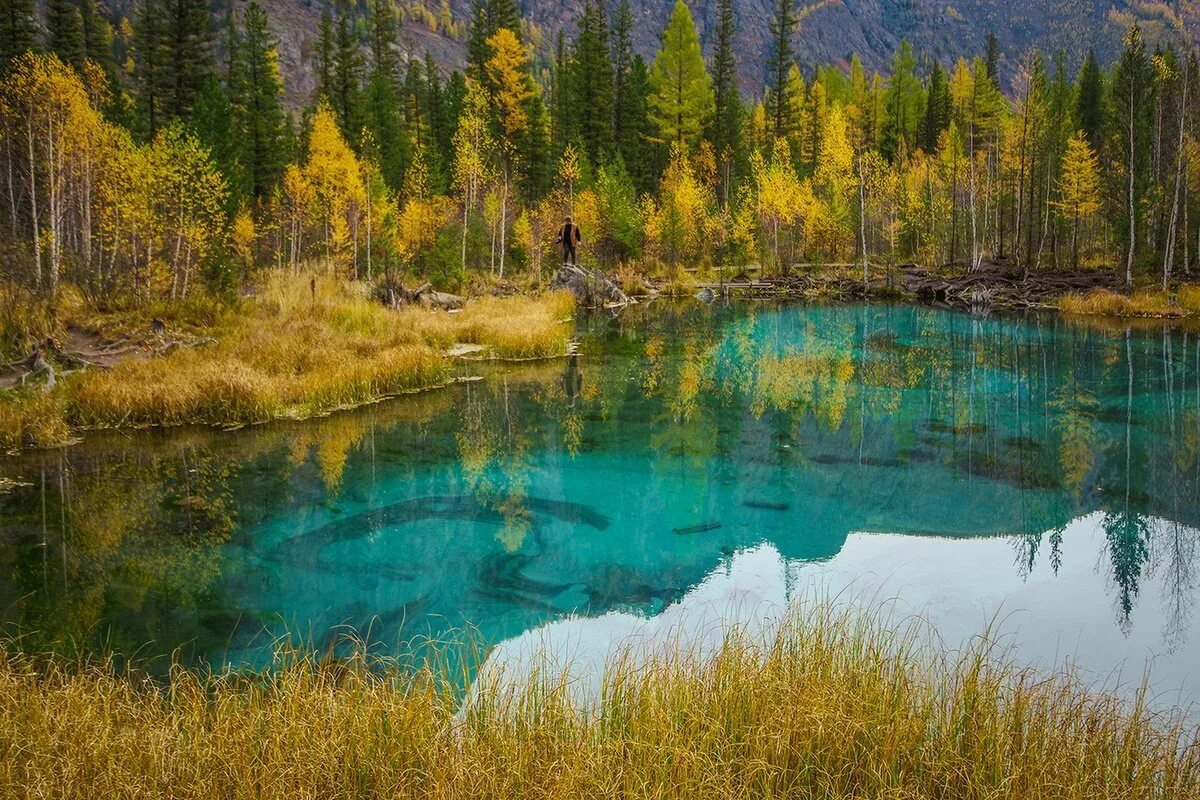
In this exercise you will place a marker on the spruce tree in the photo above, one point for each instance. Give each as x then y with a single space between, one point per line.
18 29
622 60
727 111
326 57
441 136
347 76
640 160
592 79
937 109
1089 101
783 25
97 38
992 59
478 31
213 124
64 32
187 57
563 120
149 52
503 14
382 102
262 128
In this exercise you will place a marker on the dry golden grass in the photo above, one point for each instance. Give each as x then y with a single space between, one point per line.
1188 298
32 418
1143 303
289 352
834 707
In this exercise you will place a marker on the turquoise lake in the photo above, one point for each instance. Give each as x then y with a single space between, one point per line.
1033 472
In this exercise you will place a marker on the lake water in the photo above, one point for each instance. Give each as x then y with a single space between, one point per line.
691 463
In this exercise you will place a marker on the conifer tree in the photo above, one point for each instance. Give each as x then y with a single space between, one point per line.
1089 102
1079 187
937 109
902 103
727 101
18 29
347 75
149 53
504 14
681 94
622 60
563 127
479 29
592 81
262 128
97 38
382 112
992 59
639 159
326 57
1131 83
187 56
64 32
783 25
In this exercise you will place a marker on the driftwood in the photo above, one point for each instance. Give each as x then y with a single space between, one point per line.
590 287
35 364
995 286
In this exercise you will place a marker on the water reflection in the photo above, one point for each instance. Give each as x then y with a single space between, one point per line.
617 480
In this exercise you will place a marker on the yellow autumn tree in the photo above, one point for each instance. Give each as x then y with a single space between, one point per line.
784 202
1078 187
512 88
338 194
189 195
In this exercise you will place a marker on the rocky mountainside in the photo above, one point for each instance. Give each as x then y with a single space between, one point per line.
830 30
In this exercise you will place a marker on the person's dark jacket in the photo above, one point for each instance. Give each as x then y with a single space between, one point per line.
570 235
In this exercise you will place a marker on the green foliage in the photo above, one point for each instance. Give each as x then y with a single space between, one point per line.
592 83
18 29
681 93
261 129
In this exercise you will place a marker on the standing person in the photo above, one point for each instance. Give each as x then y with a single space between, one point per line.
569 237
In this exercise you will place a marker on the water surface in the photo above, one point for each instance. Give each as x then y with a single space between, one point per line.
1028 467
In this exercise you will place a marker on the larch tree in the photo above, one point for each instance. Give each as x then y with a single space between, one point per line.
1079 187
681 94
512 90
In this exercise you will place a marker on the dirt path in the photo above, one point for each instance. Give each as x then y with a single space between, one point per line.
86 350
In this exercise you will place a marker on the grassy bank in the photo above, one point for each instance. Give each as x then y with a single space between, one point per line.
1141 303
834 707
291 351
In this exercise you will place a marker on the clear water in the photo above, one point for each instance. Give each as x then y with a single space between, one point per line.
1026 469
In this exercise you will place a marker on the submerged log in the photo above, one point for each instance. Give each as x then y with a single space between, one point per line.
590 287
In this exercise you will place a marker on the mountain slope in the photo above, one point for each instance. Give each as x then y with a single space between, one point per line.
829 32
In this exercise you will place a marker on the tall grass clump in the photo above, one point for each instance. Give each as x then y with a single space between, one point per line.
32 418
834 706
1104 302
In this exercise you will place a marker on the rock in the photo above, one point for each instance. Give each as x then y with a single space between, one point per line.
443 300
590 287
